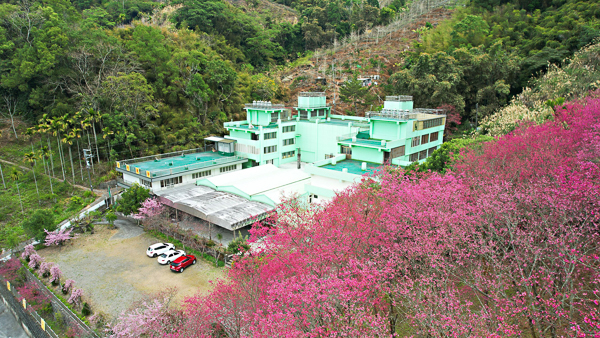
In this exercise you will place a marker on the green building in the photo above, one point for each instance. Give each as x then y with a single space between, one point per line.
398 134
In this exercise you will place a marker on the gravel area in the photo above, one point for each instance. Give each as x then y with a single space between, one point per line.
113 270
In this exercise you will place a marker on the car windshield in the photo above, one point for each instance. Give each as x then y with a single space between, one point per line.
159 248
163 256
175 264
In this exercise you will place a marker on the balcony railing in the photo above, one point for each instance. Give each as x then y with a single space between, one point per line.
264 105
430 111
399 98
311 94
393 114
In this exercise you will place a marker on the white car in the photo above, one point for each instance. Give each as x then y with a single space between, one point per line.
169 256
158 249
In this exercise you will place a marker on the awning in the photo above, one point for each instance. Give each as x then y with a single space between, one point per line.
214 139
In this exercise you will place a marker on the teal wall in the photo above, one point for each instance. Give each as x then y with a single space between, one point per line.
367 154
238 134
386 130
311 102
259 117
407 105
318 139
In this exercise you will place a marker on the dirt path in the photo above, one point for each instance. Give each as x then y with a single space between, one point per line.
113 270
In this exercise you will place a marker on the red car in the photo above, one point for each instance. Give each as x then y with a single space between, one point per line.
182 262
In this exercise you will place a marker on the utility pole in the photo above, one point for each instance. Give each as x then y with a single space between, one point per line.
87 155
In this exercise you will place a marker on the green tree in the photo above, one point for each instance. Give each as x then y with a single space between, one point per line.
40 219
132 199
354 92
111 217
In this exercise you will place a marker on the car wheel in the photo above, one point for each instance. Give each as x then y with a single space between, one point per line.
154 255
168 262
194 262
181 270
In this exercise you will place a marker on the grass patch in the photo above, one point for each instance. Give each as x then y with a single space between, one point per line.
66 201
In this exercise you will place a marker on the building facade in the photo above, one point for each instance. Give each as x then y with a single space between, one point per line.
398 134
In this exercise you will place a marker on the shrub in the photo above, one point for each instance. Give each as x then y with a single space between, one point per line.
85 310
40 220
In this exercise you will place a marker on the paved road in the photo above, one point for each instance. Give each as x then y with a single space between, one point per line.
9 327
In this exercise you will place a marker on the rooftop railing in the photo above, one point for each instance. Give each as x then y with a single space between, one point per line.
264 105
393 114
399 98
311 94
430 111
194 166
161 156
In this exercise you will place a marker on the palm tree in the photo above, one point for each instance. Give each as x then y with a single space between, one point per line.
44 153
44 127
85 124
30 158
68 139
95 116
55 128
14 175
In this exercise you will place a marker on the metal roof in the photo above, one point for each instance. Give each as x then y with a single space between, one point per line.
221 208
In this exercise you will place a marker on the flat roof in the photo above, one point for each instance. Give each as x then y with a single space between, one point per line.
364 142
221 208
179 164
353 166
267 180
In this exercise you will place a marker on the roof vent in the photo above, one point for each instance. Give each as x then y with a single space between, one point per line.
333 161
345 170
363 166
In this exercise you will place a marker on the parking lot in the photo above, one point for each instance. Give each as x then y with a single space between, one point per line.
113 270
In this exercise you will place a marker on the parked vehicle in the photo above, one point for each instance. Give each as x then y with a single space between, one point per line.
159 248
182 262
169 256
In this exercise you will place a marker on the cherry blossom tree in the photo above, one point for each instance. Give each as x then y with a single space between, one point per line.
504 245
28 251
75 298
59 237
150 207
35 260
9 269
55 274
69 283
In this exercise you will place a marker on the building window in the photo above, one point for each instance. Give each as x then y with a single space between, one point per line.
416 141
274 117
269 162
430 151
397 152
201 174
423 155
414 157
146 183
289 141
432 123
270 149
346 150
227 168
433 136
303 114
288 154
425 139
169 182
254 137
289 129
270 136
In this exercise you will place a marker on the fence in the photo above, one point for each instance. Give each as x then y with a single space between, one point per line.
58 306
30 320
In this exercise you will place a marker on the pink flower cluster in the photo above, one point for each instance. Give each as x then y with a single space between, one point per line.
75 298
150 207
57 237
506 245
